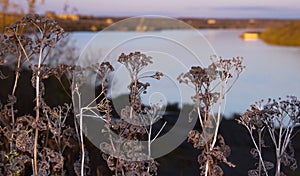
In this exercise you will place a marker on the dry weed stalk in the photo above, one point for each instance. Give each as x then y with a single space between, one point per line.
135 124
205 81
92 108
46 34
40 141
278 118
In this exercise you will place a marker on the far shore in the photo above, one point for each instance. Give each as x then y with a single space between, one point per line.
74 22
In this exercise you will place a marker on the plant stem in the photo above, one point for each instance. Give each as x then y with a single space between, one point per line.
13 94
200 118
260 149
278 164
222 93
149 145
206 168
278 149
217 126
81 139
37 110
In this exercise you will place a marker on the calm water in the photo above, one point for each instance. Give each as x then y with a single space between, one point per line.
272 71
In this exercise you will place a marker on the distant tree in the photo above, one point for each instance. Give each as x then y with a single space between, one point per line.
8 11
4 5
67 8
32 4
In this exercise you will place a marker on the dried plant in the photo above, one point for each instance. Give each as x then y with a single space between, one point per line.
135 124
220 74
40 139
278 118
135 63
45 34
92 108
39 142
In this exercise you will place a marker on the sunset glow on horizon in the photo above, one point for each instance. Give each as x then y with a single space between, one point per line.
174 8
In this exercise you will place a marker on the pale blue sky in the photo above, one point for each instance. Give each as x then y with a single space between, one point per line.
180 8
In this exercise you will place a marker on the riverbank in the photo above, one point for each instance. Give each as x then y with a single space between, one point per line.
73 22
156 24
286 35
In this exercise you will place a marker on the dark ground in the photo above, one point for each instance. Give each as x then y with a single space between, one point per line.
180 162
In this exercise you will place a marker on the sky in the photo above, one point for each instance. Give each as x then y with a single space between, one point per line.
176 8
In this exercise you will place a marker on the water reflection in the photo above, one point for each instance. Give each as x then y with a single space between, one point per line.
272 71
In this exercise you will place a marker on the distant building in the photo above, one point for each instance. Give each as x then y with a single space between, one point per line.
72 17
94 28
190 22
141 28
250 35
211 21
252 21
50 15
109 21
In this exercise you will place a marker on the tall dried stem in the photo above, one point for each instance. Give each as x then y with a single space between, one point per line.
278 117
205 81
45 34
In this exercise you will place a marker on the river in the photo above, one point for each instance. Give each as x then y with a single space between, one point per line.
271 71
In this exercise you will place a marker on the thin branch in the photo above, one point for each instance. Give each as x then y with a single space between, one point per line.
159 132
258 151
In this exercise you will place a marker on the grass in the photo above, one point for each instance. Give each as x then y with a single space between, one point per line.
287 35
